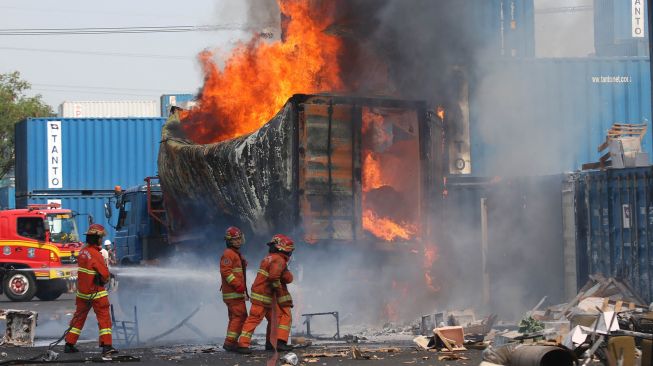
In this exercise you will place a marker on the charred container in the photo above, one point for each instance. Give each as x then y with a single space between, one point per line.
326 168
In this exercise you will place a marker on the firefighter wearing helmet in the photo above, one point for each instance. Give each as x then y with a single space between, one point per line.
92 276
234 285
270 296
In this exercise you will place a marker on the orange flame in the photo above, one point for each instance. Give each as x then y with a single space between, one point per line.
381 227
259 77
440 112
430 256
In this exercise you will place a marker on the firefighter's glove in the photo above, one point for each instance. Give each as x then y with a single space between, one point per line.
241 288
98 280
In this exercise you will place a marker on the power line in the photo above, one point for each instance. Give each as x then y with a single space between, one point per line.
98 53
122 30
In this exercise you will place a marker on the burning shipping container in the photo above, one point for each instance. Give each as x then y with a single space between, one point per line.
326 168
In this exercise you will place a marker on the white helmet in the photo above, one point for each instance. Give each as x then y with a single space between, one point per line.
107 243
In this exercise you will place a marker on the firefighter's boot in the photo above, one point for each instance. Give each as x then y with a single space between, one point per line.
283 346
244 350
108 351
70 348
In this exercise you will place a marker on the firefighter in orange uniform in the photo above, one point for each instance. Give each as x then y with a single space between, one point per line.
268 289
92 275
234 285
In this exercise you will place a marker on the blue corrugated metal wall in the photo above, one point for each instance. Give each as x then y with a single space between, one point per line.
546 116
97 153
614 226
507 26
613 29
83 205
7 197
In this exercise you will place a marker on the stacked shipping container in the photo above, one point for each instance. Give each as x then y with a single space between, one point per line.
77 162
109 109
620 28
556 111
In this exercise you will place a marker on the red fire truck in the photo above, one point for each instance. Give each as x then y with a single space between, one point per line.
38 252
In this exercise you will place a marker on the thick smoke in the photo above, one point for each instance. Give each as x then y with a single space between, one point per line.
426 50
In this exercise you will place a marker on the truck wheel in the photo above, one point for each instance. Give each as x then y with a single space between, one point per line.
19 285
51 290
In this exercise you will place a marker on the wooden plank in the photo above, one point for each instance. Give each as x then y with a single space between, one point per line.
617 307
604 307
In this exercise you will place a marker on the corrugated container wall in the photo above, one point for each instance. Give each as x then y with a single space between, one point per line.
109 109
524 238
7 197
614 226
620 28
553 112
81 205
507 27
179 100
85 153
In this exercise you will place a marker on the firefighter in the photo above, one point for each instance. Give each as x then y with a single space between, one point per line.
234 285
268 290
92 275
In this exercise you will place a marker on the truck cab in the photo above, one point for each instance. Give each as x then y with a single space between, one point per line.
141 234
39 246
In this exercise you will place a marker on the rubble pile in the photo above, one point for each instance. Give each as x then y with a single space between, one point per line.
606 323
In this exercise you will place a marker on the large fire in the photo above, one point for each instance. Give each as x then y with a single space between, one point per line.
381 172
259 77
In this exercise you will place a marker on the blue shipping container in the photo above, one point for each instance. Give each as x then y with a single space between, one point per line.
506 27
7 197
85 154
546 116
169 100
81 205
620 20
614 226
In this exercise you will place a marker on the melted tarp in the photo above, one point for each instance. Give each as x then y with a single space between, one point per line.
247 179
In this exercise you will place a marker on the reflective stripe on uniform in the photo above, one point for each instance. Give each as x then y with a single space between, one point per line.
105 331
284 327
230 278
93 296
261 298
232 295
232 335
264 272
285 298
245 335
237 270
74 330
88 271
276 283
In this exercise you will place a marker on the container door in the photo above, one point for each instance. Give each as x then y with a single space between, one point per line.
326 176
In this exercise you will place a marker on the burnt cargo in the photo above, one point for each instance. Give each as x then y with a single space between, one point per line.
302 172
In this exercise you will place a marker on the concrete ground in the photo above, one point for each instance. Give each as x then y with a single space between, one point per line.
54 315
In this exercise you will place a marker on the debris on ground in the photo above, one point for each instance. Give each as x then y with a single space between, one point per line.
290 359
21 327
607 322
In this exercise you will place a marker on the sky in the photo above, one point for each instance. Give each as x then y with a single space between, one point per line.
144 66
114 66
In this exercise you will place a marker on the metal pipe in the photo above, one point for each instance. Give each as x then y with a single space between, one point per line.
541 356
